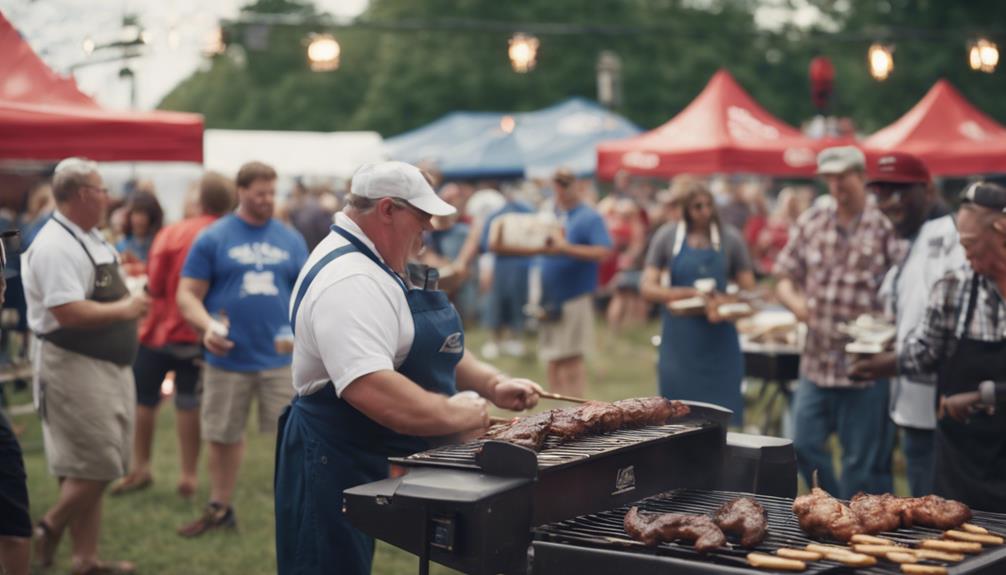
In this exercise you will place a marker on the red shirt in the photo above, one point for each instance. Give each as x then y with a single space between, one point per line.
164 323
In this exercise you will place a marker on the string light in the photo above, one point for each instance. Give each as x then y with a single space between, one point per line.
323 53
983 56
881 59
523 51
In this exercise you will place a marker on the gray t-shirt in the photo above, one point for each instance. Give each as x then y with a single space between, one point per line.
661 249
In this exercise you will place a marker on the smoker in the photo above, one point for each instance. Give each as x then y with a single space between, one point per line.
472 507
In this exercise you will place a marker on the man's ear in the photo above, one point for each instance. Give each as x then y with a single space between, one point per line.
1000 225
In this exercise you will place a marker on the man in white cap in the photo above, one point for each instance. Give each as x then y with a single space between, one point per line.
829 274
378 358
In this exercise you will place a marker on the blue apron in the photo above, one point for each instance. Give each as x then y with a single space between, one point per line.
701 361
325 445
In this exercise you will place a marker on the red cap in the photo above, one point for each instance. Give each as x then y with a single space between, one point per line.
896 167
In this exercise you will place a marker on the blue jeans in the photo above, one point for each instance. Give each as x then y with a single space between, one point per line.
860 419
918 447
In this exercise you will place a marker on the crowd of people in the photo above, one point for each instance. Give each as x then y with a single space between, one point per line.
342 315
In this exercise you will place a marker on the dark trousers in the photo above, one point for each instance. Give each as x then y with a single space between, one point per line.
865 431
917 445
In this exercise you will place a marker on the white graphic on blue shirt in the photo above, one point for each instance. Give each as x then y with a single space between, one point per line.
258 283
452 344
258 254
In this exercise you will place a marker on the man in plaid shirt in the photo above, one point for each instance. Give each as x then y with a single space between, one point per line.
829 274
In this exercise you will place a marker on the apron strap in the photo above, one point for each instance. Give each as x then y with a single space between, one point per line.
355 245
969 311
115 254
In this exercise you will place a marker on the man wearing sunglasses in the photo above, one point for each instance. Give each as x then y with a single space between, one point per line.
962 340
901 185
15 523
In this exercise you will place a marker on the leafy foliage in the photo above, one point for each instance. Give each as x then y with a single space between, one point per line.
394 78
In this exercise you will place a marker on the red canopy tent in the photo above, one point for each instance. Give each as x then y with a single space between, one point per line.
45 117
723 130
952 136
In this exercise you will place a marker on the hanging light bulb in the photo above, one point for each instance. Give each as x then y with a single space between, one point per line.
523 50
88 46
507 124
323 53
881 60
983 55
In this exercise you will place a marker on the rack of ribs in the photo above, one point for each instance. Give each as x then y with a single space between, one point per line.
642 411
527 432
745 518
654 528
591 417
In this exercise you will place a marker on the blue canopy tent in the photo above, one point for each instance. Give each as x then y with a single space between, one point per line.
472 145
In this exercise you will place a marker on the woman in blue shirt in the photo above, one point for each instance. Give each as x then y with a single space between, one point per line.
144 218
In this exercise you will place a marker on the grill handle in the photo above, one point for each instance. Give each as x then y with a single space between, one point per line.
507 460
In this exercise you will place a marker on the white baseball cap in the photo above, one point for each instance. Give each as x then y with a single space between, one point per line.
840 159
398 180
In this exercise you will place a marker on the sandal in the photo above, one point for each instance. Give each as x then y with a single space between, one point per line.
131 483
46 543
105 568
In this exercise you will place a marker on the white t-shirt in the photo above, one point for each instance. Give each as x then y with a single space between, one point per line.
936 251
353 320
56 271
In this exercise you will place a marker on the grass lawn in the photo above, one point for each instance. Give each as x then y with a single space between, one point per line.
141 526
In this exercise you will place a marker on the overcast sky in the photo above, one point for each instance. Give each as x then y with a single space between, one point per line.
57 29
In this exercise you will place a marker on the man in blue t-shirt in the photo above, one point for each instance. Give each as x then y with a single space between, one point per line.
508 293
235 288
569 269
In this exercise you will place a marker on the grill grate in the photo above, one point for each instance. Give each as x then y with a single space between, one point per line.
554 454
605 530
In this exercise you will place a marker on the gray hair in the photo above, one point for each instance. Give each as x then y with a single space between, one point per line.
70 175
360 203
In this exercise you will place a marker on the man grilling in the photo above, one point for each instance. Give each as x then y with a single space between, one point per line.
962 339
377 357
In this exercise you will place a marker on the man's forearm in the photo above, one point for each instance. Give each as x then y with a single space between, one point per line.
90 313
474 375
193 310
585 252
794 301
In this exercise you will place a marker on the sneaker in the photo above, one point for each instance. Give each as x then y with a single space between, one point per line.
215 516
490 350
513 348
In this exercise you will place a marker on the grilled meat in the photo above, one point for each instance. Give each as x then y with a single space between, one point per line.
527 432
652 529
821 515
745 518
641 411
591 417
877 513
937 512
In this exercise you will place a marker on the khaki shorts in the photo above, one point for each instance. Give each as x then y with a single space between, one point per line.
227 398
87 408
572 335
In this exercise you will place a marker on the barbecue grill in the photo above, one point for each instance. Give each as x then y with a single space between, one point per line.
473 506
597 543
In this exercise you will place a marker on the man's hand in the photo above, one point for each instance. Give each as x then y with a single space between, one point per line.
556 243
216 343
516 394
959 406
873 367
137 306
471 409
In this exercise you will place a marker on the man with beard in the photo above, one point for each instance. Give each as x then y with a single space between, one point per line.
235 288
378 358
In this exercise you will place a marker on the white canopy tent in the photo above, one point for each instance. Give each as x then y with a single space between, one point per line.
307 154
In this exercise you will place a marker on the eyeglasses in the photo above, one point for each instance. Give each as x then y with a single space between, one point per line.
101 189
402 204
